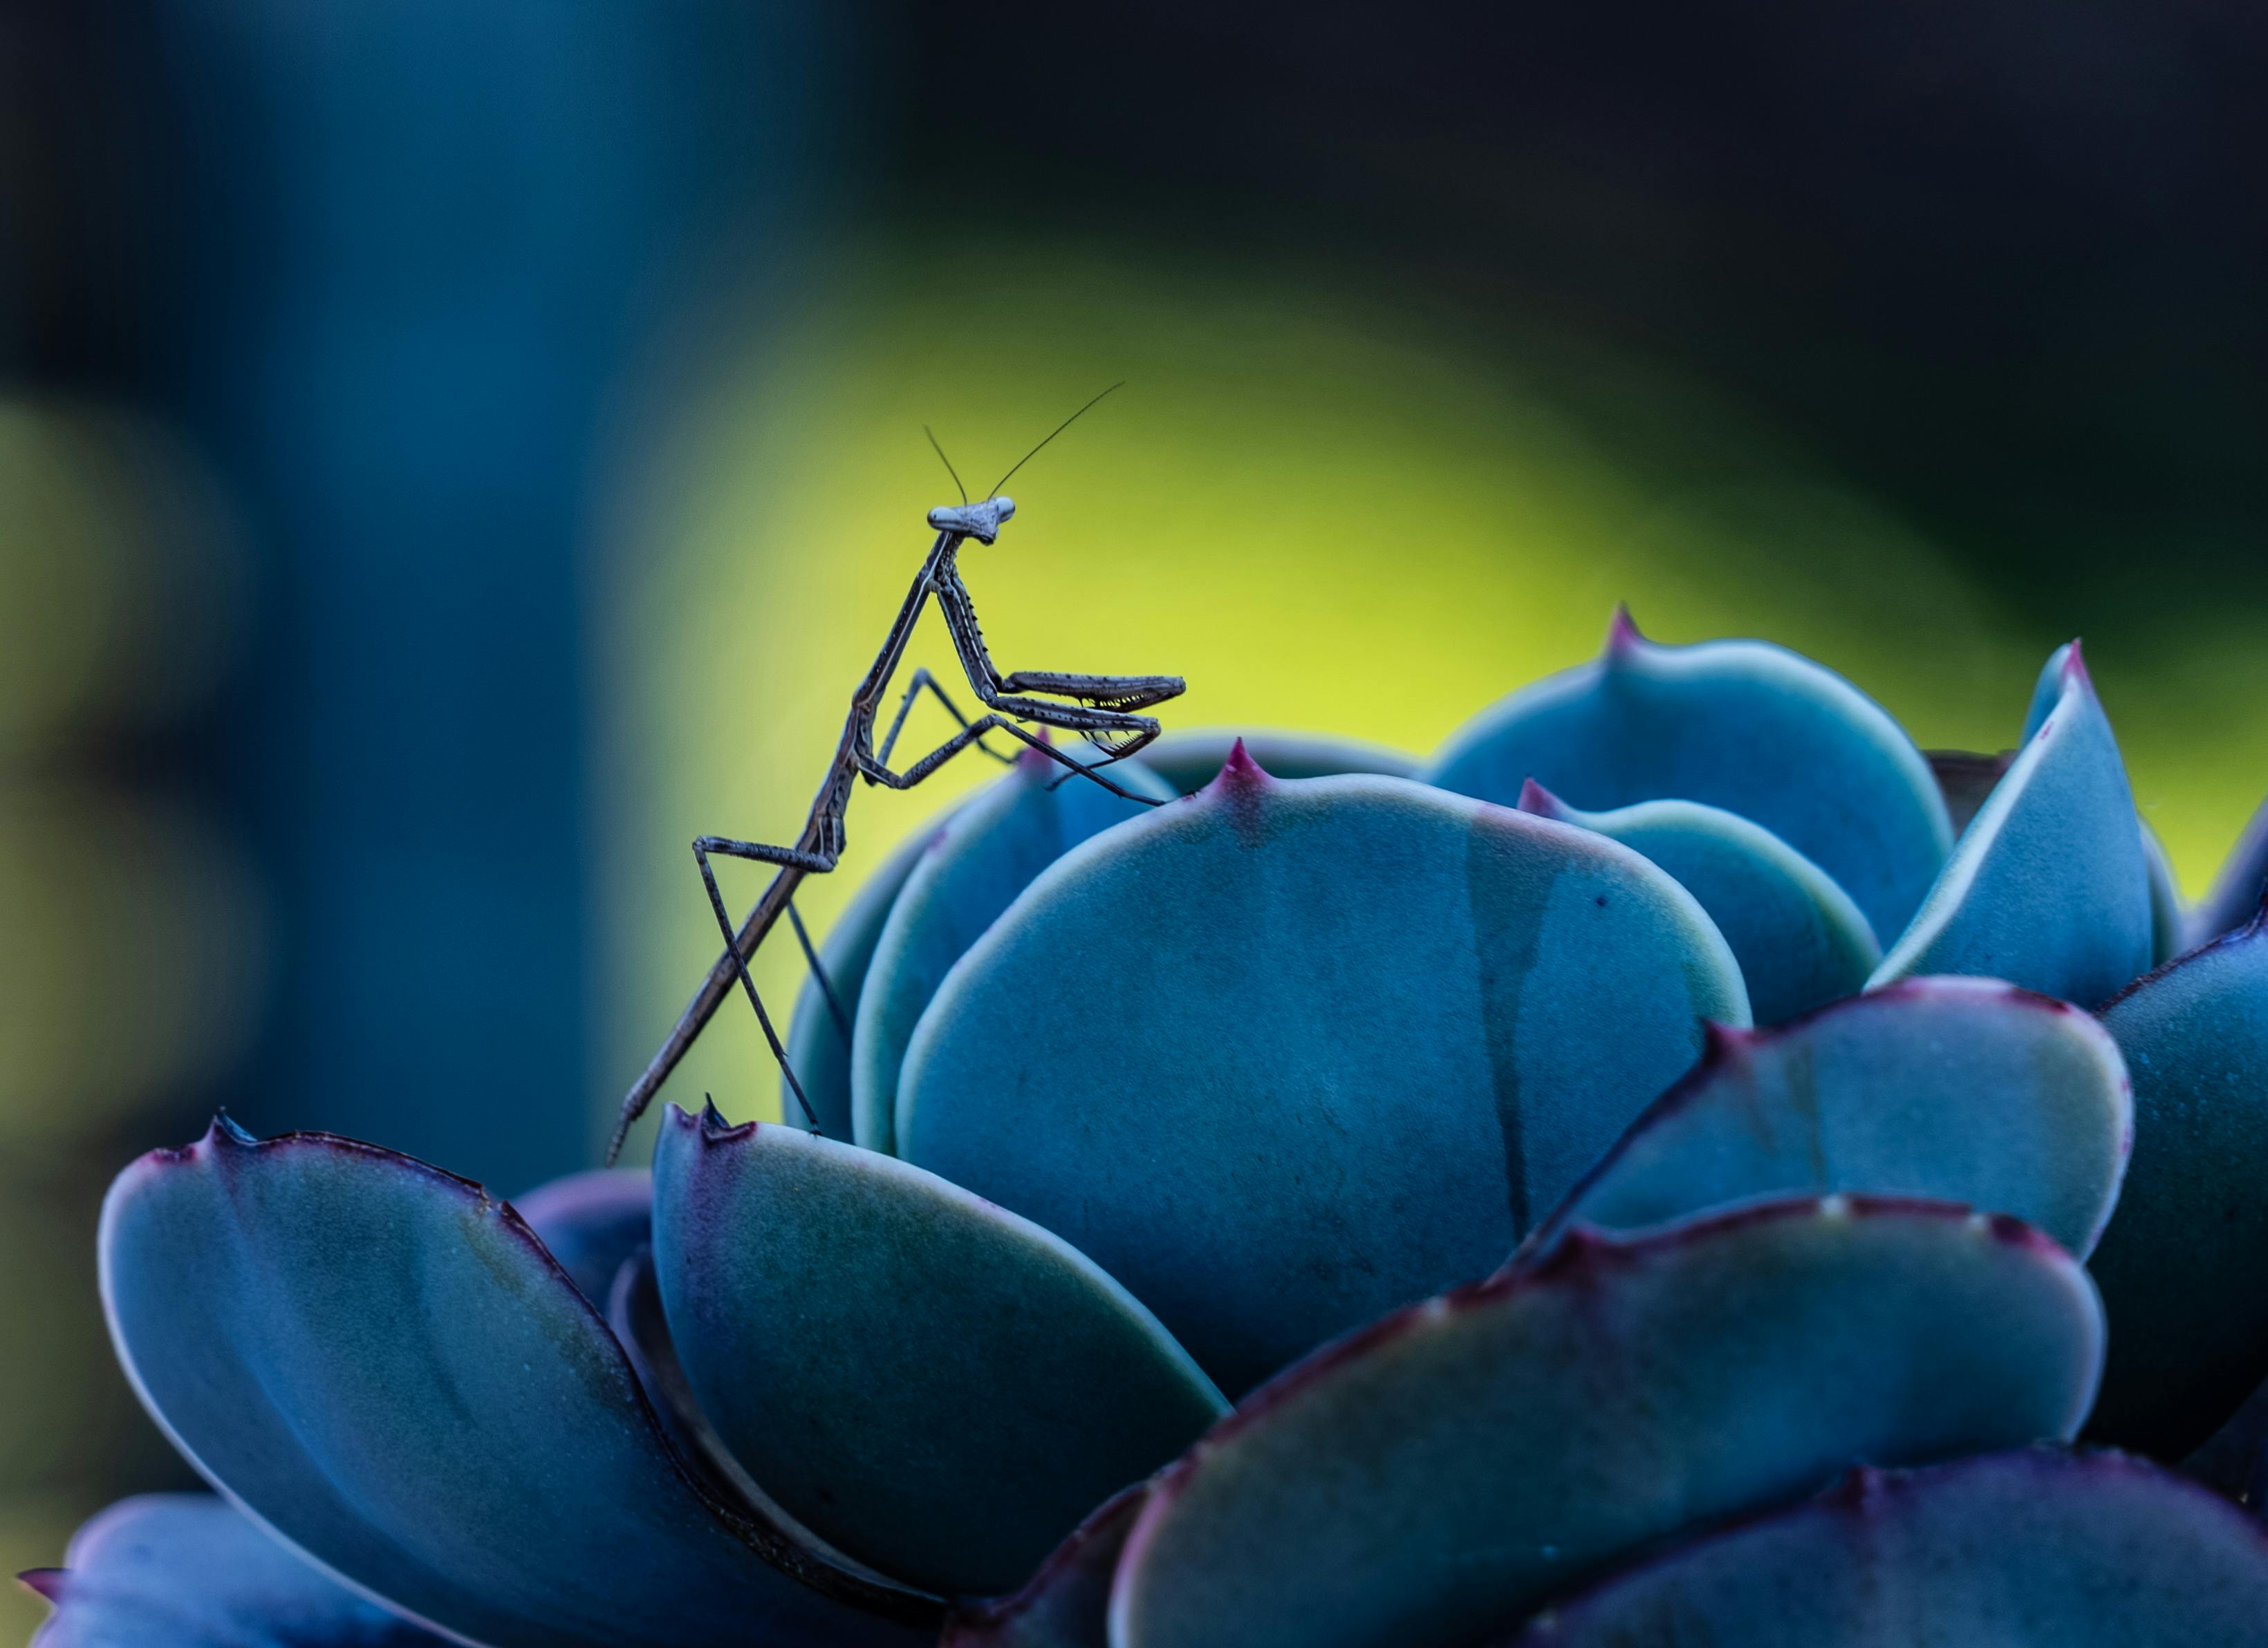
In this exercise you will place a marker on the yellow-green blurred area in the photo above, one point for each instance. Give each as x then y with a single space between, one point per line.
1323 512
130 924
453 453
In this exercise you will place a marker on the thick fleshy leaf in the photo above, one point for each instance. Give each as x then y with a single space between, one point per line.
1067 1603
1452 1467
635 1314
383 1365
1801 942
1738 724
2234 1459
1960 1090
1188 760
189 1571
2048 690
986 854
2238 889
819 1033
1288 1054
935 1386
2183 1267
2048 886
1964 778
2169 920
592 1222
2035 1548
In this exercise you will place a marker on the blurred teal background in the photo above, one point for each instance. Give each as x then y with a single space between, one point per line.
453 451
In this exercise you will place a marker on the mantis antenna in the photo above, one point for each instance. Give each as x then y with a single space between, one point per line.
948 462
1035 453
1104 710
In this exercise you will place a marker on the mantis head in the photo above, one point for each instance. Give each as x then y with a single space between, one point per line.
980 520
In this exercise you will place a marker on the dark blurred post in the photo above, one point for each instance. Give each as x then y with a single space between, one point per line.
427 242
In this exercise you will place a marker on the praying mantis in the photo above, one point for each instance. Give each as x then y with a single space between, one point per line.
1102 709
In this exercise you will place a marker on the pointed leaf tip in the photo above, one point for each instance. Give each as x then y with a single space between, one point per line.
1533 798
1622 634
225 1131
709 1126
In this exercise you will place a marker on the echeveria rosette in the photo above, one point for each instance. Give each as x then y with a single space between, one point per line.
1416 1106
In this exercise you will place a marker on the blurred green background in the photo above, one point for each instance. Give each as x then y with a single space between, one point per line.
451 453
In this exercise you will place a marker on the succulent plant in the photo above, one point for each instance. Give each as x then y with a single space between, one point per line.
1644 1176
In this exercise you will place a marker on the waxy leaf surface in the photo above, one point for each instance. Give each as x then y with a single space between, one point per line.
1450 1469
2237 890
2183 1267
1801 942
2049 887
2035 1548
1067 1603
936 1387
986 854
189 1571
819 1035
1738 724
591 1222
382 1364
1960 1090
2168 920
1190 760
1286 1054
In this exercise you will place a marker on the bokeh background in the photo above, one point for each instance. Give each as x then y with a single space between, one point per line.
451 452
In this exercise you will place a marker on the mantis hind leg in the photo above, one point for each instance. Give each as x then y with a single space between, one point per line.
835 1007
1053 715
922 679
813 863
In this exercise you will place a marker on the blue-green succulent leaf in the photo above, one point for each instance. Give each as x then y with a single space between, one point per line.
1450 1469
2234 1459
819 1034
2048 690
1959 1090
2238 888
1964 778
2168 920
2048 886
2183 1268
591 1222
1288 1054
934 1385
1801 942
1188 760
1738 724
1067 1603
2033 1548
382 1365
189 1571
635 1313
986 855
